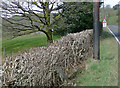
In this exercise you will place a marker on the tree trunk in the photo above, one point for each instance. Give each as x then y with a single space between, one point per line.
49 37
49 32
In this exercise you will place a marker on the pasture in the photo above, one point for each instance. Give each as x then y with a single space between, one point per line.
24 42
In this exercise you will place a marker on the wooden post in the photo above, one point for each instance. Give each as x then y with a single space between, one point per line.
96 46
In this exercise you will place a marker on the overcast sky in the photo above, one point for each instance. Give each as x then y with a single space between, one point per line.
111 2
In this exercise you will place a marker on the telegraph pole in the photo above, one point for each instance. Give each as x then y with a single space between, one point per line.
96 37
103 11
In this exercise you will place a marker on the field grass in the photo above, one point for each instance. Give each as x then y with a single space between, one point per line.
105 71
24 42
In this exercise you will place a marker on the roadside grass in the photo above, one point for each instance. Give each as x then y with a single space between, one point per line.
25 42
105 71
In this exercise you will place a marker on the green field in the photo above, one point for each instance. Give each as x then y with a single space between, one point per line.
105 71
24 42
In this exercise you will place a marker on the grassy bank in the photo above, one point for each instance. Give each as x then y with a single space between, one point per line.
24 42
105 71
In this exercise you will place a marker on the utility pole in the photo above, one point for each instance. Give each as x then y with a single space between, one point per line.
103 10
96 37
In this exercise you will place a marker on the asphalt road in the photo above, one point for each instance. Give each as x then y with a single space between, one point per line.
114 29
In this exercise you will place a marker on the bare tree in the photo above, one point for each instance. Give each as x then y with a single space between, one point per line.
34 16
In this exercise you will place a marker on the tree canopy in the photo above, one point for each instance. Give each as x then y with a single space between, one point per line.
32 16
77 17
116 7
64 17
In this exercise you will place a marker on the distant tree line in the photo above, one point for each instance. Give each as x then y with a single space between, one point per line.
116 6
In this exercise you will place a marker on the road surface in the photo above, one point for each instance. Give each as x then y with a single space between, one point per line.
114 30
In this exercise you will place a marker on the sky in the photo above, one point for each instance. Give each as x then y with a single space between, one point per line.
111 2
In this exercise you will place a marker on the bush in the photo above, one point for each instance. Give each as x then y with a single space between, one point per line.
49 66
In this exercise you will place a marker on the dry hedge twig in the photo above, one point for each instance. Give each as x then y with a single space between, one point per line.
49 66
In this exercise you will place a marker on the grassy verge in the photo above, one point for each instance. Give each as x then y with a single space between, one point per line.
24 42
105 71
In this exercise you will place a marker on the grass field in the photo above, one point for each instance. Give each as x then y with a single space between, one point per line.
24 42
105 71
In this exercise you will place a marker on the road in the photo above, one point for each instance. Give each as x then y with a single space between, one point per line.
114 30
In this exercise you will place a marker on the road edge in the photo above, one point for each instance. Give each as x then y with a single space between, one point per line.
114 35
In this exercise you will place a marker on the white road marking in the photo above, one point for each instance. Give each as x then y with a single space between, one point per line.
114 35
